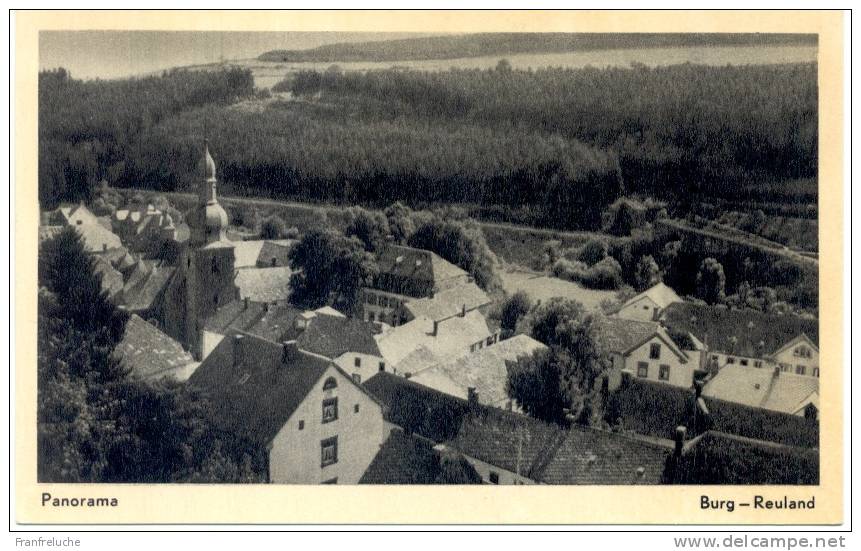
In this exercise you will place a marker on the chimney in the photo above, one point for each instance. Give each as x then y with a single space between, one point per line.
681 431
289 351
237 351
472 395
435 328
463 311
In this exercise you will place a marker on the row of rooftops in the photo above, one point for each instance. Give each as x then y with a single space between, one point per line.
744 332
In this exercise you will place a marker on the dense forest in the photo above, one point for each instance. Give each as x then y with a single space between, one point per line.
680 131
492 44
552 147
88 129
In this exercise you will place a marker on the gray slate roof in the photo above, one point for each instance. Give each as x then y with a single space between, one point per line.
741 332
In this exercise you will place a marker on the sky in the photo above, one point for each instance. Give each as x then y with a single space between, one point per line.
116 54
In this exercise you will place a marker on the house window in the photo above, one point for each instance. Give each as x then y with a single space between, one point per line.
800 369
330 384
664 373
654 351
372 299
785 367
330 481
357 362
743 362
642 369
330 410
357 378
356 408
329 451
816 372
714 357
494 477
302 424
214 265
757 363
382 366
489 340
802 352
730 360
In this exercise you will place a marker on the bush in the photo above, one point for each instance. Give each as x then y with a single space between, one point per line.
593 252
273 227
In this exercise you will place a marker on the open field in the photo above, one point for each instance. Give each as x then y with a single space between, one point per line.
268 73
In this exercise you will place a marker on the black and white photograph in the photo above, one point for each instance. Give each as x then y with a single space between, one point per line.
428 258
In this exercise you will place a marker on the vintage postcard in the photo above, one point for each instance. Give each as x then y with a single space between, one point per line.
429 267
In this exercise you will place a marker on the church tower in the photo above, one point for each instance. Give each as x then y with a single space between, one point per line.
207 263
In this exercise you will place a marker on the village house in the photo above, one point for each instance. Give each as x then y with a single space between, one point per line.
445 304
95 237
482 375
424 342
405 274
771 389
147 230
648 305
645 350
314 423
509 448
749 338
350 343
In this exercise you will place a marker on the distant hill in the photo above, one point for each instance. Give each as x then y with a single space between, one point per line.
490 44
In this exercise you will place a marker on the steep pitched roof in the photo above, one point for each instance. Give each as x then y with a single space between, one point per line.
96 238
236 314
146 285
264 284
408 262
517 443
660 294
403 459
110 278
620 335
763 388
332 336
485 370
148 352
719 458
741 332
593 457
252 391
448 303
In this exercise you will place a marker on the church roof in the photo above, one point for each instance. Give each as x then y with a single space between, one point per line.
264 284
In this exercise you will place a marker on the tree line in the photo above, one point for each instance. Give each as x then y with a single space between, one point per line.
678 130
88 130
